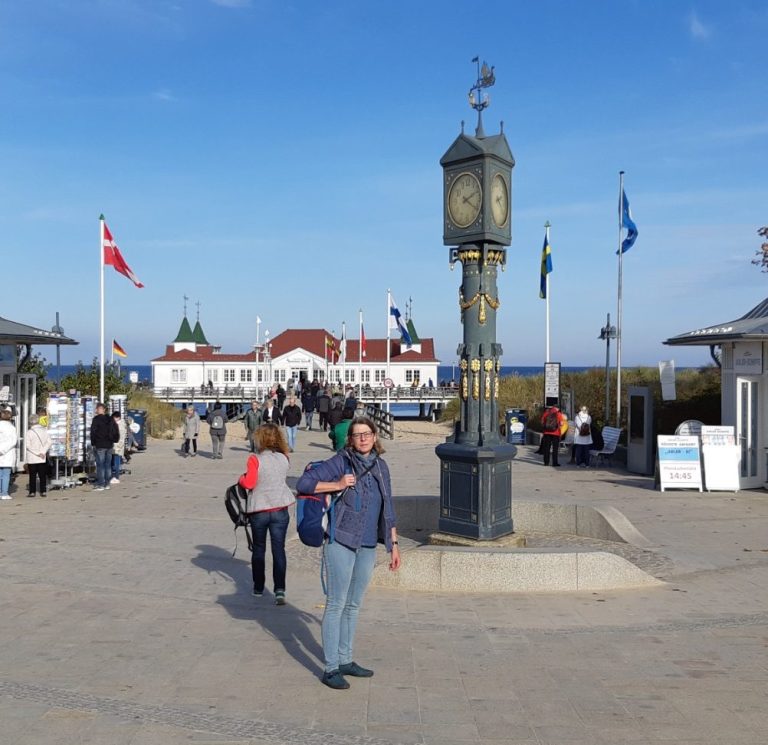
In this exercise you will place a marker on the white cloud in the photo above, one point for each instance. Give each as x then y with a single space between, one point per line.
232 3
696 27
163 94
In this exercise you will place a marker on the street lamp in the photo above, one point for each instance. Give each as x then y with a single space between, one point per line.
607 333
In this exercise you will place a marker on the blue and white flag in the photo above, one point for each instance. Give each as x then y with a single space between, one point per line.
628 223
396 322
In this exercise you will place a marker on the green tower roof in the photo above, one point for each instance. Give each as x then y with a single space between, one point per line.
412 331
198 335
185 333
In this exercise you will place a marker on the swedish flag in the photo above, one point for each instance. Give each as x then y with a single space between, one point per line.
546 266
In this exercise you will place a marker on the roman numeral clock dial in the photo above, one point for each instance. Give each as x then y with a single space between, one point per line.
465 199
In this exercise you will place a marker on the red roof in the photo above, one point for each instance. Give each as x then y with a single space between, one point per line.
203 354
313 340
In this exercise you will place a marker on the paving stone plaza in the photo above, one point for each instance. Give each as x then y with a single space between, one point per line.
126 621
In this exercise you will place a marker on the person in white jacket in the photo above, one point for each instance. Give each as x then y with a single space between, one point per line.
8 440
38 444
582 438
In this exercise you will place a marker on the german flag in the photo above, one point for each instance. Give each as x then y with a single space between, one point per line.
118 350
331 350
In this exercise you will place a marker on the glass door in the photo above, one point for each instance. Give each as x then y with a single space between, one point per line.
748 431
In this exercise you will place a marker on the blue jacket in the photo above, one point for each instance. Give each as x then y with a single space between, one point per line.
350 510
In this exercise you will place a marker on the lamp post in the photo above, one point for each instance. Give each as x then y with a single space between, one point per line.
58 330
607 333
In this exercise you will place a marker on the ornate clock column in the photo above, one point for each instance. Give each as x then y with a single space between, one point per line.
475 464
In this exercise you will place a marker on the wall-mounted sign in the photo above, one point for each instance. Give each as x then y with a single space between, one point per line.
748 357
8 355
679 462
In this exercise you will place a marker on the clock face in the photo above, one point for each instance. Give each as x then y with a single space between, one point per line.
464 200
499 200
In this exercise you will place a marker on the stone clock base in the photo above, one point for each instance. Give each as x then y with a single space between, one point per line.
476 490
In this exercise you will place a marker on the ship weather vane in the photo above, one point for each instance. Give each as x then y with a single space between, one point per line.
479 100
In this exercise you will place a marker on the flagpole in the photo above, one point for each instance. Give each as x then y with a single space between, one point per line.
360 354
258 382
344 361
619 304
546 291
101 308
389 331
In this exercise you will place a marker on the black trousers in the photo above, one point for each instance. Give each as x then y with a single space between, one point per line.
324 421
550 444
38 471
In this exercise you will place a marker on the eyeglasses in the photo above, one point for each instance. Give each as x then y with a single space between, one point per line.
361 435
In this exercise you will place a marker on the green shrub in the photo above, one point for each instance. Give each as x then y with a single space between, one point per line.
162 418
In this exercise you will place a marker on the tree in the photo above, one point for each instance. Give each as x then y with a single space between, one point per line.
762 262
35 364
86 380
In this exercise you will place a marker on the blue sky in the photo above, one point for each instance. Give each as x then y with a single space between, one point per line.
281 159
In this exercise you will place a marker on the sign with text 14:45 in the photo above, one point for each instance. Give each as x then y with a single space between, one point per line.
679 462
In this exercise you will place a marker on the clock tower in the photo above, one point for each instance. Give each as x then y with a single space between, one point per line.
475 464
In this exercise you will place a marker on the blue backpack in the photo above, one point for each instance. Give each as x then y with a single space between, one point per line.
315 514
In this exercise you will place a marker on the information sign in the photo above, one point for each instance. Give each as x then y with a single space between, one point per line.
389 383
551 383
679 462
667 377
722 458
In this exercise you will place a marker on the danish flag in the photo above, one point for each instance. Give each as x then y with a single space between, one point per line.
113 257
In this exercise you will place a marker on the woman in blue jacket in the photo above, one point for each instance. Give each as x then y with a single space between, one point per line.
364 516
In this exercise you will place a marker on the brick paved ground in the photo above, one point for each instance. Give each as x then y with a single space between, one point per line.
124 620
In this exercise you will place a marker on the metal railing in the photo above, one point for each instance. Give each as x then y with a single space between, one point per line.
384 421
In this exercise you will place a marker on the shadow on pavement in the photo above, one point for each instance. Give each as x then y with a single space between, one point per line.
287 624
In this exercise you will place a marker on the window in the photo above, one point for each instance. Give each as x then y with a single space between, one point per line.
320 375
179 375
365 376
246 375
213 375
282 376
411 376
349 376
379 375
229 375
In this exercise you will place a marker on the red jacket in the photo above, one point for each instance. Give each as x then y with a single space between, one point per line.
560 420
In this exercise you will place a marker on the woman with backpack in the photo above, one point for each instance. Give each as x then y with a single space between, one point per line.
268 501
582 438
363 516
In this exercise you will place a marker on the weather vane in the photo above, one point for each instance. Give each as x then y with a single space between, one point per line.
477 99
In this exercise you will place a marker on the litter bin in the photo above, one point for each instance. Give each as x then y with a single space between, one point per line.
517 422
138 426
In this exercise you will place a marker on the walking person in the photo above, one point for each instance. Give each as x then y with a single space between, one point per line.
268 500
8 439
308 403
323 407
104 435
190 432
217 420
582 436
364 516
552 423
38 443
253 419
271 414
291 417
118 452
280 395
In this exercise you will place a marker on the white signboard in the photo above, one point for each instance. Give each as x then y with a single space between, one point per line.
722 458
551 380
711 435
748 357
679 462
667 376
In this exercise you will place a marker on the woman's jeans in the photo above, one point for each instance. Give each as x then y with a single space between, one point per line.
308 416
38 471
117 465
276 524
348 573
291 431
582 454
5 480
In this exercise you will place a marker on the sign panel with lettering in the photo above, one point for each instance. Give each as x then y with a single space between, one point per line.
667 376
748 357
551 383
679 462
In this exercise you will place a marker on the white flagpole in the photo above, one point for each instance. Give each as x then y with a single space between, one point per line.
101 309
360 355
389 305
619 303
343 343
258 382
546 290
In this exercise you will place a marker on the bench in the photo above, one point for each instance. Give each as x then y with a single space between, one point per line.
610 441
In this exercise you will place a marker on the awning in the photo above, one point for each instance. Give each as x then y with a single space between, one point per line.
750 327
12 332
